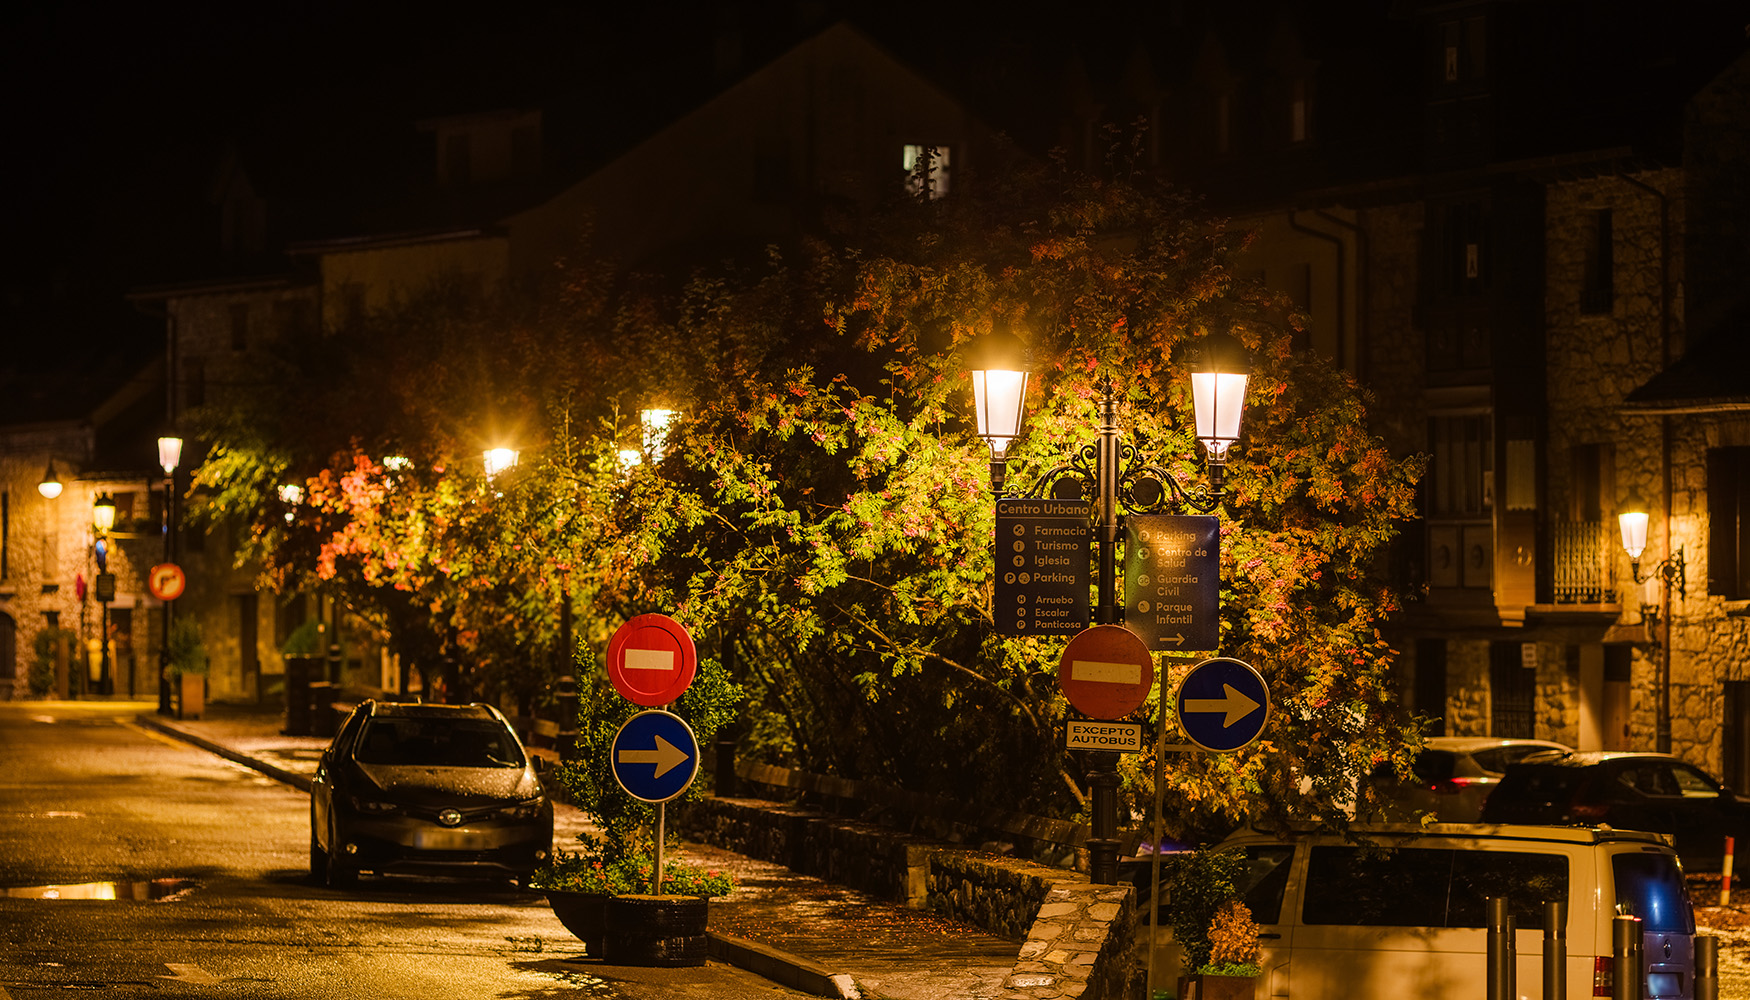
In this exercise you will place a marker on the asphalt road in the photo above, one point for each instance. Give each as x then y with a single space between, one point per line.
91 803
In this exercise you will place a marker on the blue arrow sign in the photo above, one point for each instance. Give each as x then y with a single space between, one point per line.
655 756
1223 704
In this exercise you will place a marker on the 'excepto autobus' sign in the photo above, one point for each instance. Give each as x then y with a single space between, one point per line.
1042 575
1089 734
1172 580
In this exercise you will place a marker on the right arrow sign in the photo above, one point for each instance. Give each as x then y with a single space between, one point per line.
1223 704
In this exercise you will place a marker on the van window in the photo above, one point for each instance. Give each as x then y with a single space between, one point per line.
1649 886
1426 887
1262 883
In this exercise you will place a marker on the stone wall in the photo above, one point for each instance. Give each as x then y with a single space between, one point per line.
1076 939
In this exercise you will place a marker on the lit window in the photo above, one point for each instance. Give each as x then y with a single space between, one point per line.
936 176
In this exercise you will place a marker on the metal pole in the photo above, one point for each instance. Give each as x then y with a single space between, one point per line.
1154 863
1555 949
661 834
1103 764
1707 967
164 640
1625 983
1501 959
103 683
1662 725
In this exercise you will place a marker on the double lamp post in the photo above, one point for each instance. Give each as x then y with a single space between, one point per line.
1117 480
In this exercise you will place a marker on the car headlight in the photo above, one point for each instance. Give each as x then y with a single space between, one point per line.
527 809
374 807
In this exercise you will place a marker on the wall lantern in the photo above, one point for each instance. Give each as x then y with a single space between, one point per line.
1632 518
50 487
169 454
103 513
999 366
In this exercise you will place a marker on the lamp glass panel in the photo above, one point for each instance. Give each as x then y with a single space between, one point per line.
169 453
103 513
655 424
1634 532
1218 398
498 460
50 488
630 458
998 396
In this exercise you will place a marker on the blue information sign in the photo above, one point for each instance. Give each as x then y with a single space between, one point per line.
655 756
1222 704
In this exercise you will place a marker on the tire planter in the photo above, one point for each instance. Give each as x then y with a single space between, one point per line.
584 914
666 931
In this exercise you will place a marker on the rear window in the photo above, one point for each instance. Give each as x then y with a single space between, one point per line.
1429 887
1497 759
1649 885
1540 783
437 742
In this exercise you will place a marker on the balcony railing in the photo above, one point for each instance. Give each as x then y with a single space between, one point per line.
1585 564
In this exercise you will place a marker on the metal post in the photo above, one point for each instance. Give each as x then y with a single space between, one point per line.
1501 958
103 682
1626 958
1555 949
661 834
1662 724
1707 967
1103 764
164 707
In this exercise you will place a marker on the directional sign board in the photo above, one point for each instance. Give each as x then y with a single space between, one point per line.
651 660
1106 672
166 581
1222 704
655 756
1042 567
1172 580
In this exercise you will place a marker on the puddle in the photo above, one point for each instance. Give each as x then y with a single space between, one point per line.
154 890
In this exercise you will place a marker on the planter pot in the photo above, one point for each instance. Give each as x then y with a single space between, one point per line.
584 914
656 930
1217 987
193 688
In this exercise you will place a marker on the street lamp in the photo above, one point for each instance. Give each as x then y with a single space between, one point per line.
169 456
1118 478
1632 518
498 460
655 424
50 487
102 520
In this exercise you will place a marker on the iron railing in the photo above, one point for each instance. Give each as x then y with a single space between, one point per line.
1584 570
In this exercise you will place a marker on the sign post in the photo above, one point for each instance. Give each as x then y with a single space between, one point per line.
655 756
1042 567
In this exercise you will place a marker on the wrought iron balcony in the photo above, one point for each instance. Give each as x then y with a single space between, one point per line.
1584 565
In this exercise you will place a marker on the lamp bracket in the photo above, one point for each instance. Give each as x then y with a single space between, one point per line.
1672 572
1143 488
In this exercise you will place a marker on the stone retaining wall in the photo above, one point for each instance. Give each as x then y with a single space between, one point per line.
1077 939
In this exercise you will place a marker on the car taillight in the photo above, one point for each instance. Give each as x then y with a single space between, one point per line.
1603 975
1451 786
1587 809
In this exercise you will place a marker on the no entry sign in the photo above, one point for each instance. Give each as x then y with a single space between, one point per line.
166 581
651 660
1106 672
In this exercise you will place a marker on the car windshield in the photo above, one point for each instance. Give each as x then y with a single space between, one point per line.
437 742
1649 885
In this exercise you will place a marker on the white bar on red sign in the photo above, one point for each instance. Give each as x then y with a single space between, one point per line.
1105 673
650 659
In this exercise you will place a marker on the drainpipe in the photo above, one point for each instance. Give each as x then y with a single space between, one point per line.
1337 242
1662 730
1361 296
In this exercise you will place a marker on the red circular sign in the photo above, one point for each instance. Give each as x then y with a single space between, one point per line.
1106 672
166 581
651 660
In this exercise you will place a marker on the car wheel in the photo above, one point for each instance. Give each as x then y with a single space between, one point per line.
338 873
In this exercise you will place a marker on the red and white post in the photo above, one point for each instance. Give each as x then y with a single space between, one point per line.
1726 875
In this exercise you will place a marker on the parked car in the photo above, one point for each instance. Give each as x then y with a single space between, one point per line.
1452 776
427 789
1631 791
1400 911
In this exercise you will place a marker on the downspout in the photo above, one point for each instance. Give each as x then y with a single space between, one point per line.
1342 300
1361 293
1662 729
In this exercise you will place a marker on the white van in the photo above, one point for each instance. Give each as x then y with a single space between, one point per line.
1408 918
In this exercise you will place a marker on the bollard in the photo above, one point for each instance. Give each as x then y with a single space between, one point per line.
1707 967
1726 875
1501 957
1627 976
1555 949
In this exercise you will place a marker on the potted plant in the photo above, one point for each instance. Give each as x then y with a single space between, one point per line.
187 656
1213 926
602 892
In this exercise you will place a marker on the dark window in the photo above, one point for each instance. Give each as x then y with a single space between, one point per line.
1649 886
1728 540
1464 463
292 318
1527 880
1431 685
1429 887
1465 262
1262 883
1512 693
525 150
458 160
240 326
1597 287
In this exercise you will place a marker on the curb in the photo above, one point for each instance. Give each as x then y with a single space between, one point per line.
774 964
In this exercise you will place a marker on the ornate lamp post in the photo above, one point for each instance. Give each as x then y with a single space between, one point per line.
1632 518
169 456
102 520
1112 474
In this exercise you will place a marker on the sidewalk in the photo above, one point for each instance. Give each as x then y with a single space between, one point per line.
796 930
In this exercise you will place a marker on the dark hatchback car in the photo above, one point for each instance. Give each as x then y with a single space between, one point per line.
427 790
1628 791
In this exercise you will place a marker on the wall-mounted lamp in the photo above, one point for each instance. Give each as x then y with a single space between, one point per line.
103 514
50 487
1632 518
